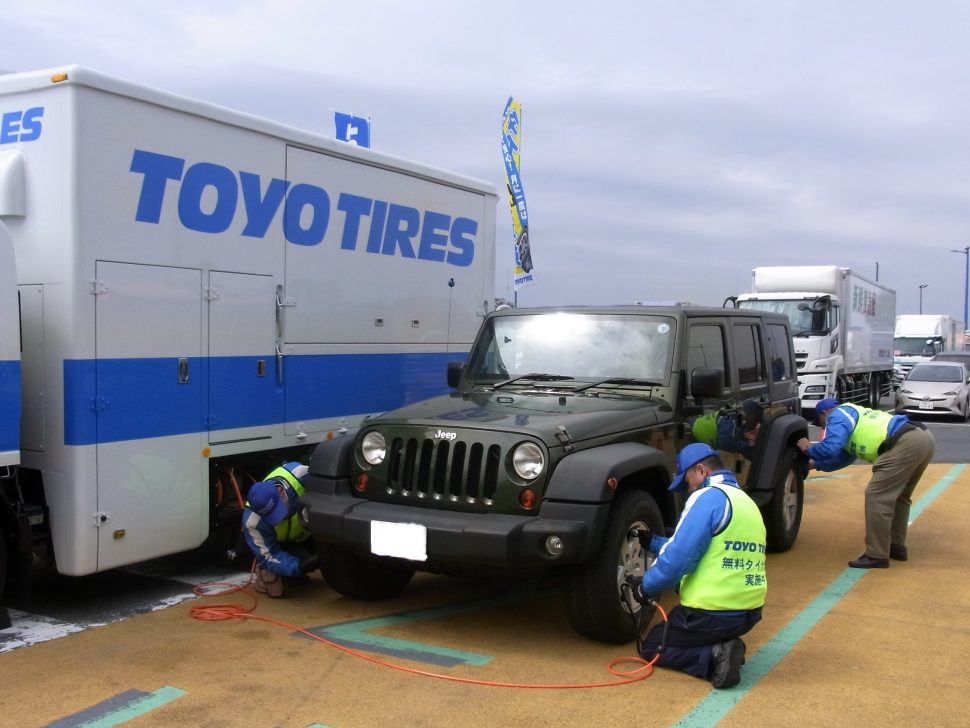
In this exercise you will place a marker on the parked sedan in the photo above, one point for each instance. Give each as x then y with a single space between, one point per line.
935 387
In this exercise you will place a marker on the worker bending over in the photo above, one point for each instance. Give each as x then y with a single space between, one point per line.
283 547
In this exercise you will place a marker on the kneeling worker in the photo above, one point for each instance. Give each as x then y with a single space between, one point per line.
283 547
717 557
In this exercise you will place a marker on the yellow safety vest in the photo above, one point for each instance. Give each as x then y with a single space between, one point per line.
731 574
290 530
869 434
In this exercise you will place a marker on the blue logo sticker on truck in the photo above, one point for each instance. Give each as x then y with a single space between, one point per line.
371 225
21 126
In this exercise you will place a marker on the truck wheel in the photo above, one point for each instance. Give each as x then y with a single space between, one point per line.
363 577
783 515
4 616
594 602
875 390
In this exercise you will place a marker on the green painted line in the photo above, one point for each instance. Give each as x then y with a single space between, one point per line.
135 708
718 703
356 633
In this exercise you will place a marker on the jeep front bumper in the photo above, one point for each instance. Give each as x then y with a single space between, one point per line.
465 539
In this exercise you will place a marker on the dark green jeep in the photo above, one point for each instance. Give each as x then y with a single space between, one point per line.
556 445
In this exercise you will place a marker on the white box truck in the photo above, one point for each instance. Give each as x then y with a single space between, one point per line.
919 337
842 327
203 295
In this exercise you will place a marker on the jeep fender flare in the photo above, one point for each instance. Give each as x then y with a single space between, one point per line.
777 435
330 462
583 476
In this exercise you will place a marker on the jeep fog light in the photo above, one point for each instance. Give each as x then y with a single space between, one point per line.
527 461
554 545
373 448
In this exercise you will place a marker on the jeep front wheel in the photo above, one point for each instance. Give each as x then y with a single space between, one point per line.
594 600
363 577
783 514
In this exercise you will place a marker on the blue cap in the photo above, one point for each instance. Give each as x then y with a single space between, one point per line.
265 500
824 406
688 458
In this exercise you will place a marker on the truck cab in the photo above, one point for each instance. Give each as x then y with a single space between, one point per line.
556 444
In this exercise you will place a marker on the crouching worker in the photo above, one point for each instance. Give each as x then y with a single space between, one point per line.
717 557
283 547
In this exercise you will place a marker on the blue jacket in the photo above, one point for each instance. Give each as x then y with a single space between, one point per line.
262 541
707 512
830 453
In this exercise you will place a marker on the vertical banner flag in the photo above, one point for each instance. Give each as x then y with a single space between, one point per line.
353 129
523 274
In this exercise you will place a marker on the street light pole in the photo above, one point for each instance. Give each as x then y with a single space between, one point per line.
921 287
966 280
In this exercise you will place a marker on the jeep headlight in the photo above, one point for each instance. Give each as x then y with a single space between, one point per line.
527 461
373 448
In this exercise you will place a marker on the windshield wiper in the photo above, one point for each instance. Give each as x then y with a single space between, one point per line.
618 380
536 377
809 332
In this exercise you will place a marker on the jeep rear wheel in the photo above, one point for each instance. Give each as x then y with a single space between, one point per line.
594 600
363 577
783 515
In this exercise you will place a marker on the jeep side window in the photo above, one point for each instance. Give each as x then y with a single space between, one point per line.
779 352
750 360
705 350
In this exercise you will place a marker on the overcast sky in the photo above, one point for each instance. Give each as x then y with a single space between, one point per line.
668 147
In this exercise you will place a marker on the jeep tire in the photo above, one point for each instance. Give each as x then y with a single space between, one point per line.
361 576
594 601
783 514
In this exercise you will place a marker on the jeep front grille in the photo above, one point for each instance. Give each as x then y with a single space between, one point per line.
456 471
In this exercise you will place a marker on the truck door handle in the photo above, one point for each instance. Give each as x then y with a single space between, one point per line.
279 365
183 370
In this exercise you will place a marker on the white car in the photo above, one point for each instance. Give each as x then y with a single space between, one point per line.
935 387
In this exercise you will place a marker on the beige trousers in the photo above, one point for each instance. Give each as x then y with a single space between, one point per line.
895 475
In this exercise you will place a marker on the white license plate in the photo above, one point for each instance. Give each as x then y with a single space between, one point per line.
926 405
400 540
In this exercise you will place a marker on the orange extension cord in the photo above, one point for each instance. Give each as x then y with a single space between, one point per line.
219 612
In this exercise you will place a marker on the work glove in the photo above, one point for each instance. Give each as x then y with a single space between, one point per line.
636 586
308 563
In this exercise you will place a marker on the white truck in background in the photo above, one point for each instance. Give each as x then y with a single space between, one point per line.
203 295
842 326
920 337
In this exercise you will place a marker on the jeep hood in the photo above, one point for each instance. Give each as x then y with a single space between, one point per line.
536 414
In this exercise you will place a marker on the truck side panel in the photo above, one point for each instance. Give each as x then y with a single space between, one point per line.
9 355
194 292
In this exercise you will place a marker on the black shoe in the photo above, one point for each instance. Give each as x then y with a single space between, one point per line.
898 552
865 561
728 658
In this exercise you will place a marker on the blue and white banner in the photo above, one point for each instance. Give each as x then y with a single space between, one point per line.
353 129
523 275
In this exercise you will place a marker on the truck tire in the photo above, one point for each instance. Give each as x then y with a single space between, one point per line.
4 616
875 390
783 514
363 577
594 602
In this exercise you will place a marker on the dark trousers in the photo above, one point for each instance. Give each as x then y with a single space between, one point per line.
691 636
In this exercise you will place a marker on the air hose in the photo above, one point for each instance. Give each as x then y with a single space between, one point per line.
220 612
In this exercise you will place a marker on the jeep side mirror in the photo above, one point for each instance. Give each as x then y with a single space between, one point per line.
706 383
454 373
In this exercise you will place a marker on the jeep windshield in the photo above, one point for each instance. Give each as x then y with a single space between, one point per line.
574 351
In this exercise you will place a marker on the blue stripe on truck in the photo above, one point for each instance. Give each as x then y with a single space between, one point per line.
110 400
9 406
